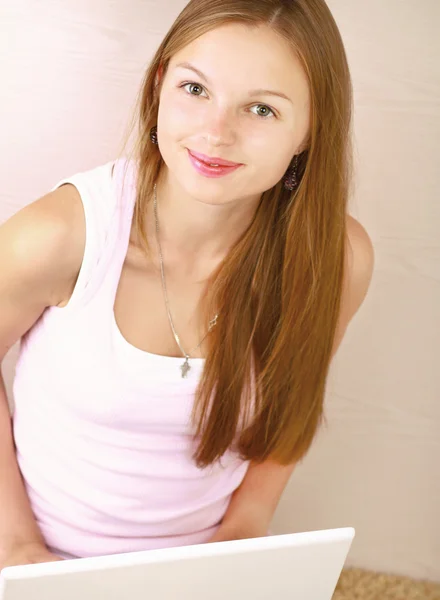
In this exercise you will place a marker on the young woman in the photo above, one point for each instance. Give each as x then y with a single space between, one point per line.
178 309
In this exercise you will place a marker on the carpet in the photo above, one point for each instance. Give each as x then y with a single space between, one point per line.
360 584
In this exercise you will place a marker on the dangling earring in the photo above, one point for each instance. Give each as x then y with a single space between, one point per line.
289 179
153 135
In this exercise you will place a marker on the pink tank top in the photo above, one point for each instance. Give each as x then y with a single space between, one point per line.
102 428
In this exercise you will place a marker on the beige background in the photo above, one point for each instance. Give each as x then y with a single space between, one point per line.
70 73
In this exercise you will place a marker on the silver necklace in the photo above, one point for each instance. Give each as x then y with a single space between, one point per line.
185 367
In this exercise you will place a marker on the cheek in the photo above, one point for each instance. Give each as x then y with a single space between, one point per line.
272 155
177 112
271 150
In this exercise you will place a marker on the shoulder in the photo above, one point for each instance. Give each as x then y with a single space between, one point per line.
42 244
358 272
359 264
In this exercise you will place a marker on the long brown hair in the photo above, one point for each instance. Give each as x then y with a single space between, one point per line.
278 291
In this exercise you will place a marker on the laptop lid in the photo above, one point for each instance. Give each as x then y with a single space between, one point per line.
303 566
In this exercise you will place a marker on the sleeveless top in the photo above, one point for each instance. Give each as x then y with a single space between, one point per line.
102 429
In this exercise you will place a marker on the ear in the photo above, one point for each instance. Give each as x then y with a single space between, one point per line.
305 144
159 75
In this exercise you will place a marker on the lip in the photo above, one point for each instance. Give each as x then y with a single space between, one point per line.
213 160
211 172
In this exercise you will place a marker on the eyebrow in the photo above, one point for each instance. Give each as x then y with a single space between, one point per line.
259 92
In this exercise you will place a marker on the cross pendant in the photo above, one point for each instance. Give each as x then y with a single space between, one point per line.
185 368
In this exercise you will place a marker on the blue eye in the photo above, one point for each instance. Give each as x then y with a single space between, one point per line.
197 85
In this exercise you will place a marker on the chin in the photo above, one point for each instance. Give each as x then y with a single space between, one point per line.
213 194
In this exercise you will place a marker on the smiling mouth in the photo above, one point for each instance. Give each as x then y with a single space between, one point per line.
213 162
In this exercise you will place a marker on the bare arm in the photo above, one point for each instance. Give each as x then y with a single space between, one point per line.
41 249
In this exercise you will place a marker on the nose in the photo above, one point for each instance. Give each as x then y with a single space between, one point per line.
220 128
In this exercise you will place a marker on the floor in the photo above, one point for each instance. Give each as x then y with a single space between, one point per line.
359 584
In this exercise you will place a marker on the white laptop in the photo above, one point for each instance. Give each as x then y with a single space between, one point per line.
299 566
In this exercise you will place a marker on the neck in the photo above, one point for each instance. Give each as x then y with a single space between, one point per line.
196 235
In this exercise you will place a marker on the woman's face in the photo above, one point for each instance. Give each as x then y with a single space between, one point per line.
229 114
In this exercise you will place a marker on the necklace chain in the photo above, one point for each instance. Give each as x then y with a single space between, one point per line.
185 367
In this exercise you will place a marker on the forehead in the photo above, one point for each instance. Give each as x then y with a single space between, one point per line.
239 57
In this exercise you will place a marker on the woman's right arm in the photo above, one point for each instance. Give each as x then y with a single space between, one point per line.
41 251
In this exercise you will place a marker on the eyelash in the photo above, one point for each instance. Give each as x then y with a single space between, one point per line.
183 85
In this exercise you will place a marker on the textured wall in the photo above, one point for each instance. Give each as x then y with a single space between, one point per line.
70 74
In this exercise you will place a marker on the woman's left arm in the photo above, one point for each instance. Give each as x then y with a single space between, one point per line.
253 503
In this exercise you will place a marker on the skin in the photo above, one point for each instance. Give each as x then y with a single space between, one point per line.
203 217
200 218
42 246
